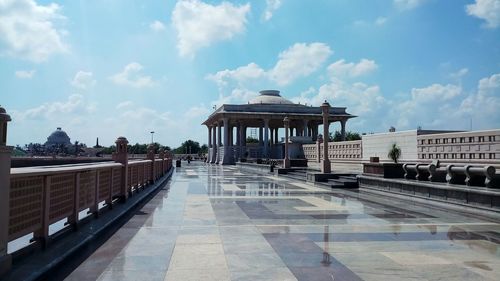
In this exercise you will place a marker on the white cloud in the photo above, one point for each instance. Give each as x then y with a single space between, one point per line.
237 96
83 80
341 68
380 20
459 74
299 60
360 98
131 76
483 105
240 74
55 110
25 74
27 30
124 104
199 24
157 26
488 10
198 111
271 6
407 4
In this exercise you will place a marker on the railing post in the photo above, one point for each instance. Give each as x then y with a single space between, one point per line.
73 219
161 154
95 208
42 235
318 147
151 156
109 200
121 156
5 152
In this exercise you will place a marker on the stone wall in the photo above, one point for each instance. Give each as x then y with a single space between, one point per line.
463 146
378 145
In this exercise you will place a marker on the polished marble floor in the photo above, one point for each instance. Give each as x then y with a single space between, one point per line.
220 223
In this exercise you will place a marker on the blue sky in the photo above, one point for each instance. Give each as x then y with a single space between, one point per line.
116 67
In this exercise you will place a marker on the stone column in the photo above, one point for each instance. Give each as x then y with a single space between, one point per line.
121 156
219 143
242 144
266 138
215 149
325 165
276 136
306 131
342 129
209 143
238 143
5 152
286 160
244 141
227 146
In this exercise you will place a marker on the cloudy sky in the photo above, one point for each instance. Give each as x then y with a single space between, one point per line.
105 68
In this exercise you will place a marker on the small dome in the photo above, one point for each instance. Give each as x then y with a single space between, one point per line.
270 97
58 137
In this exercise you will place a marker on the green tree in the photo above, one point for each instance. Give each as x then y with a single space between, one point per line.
252 140
349 136
394 152
204 149
188 146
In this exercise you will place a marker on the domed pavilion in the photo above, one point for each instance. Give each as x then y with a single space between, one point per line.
264 113
58 138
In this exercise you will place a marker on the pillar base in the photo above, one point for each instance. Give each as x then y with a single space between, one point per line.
5 264
326 167
228 158
286 163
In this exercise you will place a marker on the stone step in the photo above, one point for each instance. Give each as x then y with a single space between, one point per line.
346 183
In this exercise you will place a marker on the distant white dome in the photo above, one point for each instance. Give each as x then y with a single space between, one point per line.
58 137
269 97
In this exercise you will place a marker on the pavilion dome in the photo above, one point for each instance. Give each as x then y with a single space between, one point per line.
58 137
269 97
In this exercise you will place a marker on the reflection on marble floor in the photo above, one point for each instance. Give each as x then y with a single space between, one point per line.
220 223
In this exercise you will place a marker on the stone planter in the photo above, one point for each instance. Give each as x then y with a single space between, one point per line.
384 170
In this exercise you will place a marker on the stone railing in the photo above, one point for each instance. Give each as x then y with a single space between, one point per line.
39 197
345 150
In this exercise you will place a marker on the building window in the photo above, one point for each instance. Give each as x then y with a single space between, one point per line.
423 156
445 140
438 141
462 155
422 141
429 141
481 156
492 155
430 156
471 139
471 156
438 155
445 156
453 140
462 139
453 156
481 139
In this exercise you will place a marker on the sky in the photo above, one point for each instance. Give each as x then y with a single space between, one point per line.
109 68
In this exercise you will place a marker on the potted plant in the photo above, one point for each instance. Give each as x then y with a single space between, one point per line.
394 152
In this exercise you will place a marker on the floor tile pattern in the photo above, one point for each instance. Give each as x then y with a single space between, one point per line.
220 223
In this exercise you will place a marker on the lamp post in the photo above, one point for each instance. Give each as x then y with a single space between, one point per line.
325 165
286 160
152 133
